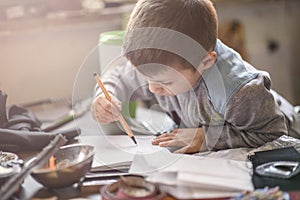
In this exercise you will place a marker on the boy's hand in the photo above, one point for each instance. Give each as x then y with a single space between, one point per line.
189 139
105 111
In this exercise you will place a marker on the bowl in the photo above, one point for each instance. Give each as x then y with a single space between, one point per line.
131 187
66 167
9 166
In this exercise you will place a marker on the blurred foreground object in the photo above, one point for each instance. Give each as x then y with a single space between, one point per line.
14 182
67 166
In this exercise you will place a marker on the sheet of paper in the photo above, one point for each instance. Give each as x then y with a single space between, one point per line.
152 163
211 166
215 173
182 190
214 182
116 150
216 176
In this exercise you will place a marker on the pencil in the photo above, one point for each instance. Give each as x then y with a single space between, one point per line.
120 117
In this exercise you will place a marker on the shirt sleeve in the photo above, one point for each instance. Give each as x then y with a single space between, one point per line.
125 83
252 118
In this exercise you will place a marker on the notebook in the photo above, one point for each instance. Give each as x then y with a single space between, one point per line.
116 152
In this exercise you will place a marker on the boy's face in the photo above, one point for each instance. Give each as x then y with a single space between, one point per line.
170 82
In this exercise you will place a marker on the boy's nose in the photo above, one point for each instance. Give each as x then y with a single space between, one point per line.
155 88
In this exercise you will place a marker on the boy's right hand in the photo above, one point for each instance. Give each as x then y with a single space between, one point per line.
105 111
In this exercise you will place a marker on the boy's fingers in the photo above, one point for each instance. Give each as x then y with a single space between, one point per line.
156 141
170 143
104 116
172 134
107 116
112 106
101 118
108 106
105 111
117 104
163 137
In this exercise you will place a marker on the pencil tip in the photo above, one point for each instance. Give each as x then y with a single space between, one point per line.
95 74
134 140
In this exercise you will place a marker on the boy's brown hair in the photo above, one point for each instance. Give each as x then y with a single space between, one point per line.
196 19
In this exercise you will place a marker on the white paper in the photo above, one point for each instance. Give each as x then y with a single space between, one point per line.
146 164
215 173
202 176
184 176
117 150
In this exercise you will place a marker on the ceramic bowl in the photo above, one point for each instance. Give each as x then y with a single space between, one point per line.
9 166
66 167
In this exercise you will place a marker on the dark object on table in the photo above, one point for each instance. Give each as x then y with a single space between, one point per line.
20 130
68 166
20 141
17 118
282 154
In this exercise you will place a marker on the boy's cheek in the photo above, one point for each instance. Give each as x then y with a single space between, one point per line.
178 89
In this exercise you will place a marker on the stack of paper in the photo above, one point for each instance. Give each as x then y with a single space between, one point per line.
196 177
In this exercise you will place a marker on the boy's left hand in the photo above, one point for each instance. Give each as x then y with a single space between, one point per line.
189 140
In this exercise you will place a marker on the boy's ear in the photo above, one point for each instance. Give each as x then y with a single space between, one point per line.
209 60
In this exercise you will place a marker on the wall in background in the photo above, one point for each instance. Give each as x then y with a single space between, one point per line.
271 39
42 62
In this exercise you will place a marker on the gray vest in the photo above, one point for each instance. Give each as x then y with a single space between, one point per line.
229 74
226 77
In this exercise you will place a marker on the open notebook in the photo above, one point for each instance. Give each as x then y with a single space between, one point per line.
116 152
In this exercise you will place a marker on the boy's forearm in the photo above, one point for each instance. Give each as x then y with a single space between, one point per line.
226 137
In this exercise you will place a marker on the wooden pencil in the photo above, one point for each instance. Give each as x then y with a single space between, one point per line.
120 117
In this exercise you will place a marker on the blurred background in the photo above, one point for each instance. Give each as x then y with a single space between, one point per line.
43 43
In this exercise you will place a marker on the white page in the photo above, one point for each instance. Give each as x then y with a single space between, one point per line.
215 182
152 163
213 172
211 166
203 173
114 150
184 190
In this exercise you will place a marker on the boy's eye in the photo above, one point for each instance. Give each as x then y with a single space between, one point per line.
168 83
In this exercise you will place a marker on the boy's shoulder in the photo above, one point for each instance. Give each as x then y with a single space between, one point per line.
227 76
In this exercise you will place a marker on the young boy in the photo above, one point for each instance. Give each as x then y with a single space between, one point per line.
218 100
